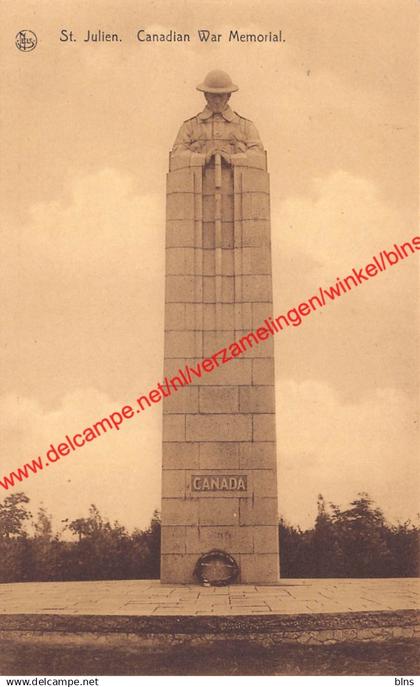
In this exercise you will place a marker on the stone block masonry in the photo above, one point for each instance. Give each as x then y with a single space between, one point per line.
219 486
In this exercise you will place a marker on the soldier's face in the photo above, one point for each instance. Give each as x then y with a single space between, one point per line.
217 101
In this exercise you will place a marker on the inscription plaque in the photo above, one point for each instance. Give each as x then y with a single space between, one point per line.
219 482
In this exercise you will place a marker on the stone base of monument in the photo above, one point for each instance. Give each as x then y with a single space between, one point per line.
145 613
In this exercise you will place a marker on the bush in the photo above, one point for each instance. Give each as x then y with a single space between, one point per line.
355 542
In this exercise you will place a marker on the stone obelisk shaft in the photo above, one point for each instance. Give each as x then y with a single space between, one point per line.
219 432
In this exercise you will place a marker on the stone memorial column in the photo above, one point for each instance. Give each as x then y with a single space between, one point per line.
219 485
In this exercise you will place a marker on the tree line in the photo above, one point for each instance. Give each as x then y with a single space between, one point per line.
352 542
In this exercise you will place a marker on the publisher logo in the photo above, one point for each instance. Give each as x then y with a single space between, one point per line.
26 40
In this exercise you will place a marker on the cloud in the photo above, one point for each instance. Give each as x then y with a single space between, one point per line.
342 220
82 336
82 288
119 471
338 449
368 338
99 223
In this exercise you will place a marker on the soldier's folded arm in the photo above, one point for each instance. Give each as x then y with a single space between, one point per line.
254 146
183 147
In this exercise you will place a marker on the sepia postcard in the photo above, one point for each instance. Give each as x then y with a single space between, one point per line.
210 333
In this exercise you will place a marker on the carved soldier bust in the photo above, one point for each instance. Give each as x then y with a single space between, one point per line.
217 129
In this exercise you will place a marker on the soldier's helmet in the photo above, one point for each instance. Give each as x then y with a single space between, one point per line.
217 81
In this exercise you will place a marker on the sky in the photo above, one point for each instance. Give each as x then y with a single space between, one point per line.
85 131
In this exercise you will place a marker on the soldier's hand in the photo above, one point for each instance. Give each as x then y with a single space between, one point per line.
214 151
226 156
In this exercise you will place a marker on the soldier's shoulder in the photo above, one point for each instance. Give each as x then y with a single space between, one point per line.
245 119
191 119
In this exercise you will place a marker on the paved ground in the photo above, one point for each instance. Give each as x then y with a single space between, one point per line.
140 627
150 598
